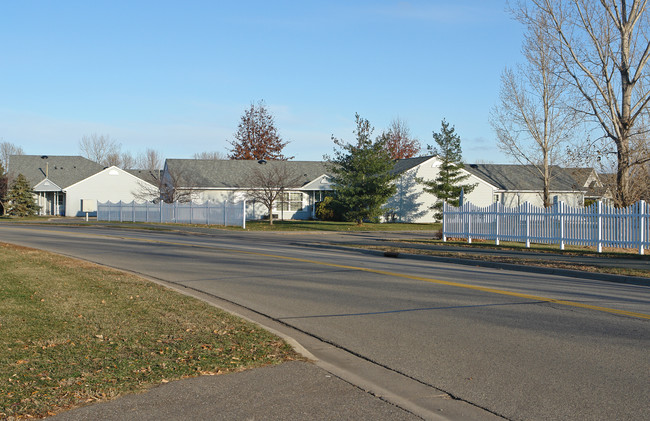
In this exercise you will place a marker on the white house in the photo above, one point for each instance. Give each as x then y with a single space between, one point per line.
109 185
514 185
60 183
412 204
220 180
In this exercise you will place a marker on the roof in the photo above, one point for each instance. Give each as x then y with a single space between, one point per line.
523 177
581 175
61 170
150 176
403 165
209 173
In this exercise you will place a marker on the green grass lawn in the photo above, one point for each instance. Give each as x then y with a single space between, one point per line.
73 332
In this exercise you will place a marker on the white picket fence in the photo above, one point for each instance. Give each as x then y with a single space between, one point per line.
596 225
209 213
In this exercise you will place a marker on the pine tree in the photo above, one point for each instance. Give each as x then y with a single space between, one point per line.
361 174
257 137
447 185
20 200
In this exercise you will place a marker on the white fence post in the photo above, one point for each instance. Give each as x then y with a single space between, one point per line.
599 227
642 211
527 214
497 215
560 216
444 221
468 221
243 212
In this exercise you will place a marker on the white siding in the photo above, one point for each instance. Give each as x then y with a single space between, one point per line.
111 184
412 204
514 199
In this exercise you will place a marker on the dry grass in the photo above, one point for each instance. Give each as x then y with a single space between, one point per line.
72 333
559 263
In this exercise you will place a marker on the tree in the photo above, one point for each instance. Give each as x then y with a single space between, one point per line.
361 174
101 149
399 141
603 47
20 200
4 179
6 150
532 121
257 137
446 187
270 181
210 155
150 160
178 185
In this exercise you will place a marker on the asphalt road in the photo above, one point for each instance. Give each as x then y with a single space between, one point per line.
521 345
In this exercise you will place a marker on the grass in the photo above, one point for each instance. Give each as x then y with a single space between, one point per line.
278 225
296 225
630 253
523 259
72 333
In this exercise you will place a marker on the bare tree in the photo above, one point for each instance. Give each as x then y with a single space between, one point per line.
399 140
150 160
211 155
604 48
6 150
268 182
257 137
101 149
178 185
126 161
532 121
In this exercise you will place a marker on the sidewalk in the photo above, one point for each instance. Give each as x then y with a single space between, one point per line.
290 391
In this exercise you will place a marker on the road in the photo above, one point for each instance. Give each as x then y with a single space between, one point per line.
520 345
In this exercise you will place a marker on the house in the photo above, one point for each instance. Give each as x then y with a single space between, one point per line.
514 185
60 183
590 180
221 180
412 204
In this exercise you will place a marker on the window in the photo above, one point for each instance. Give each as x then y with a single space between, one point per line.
291 202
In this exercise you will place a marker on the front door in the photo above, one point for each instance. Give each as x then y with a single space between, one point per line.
60 204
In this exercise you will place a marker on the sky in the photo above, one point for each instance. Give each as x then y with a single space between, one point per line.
176 76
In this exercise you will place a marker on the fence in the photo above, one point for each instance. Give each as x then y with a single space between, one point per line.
209 213
597 225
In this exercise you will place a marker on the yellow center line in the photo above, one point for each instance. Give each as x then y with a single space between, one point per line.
388 273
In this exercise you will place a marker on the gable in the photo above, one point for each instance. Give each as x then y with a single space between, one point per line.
111 176
45 186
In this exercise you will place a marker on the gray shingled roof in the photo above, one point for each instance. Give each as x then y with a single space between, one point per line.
234 173
150 176
402 165
64 171
522 177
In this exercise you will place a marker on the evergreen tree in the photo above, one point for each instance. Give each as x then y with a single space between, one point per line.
447 185
257 136
20 200
361 174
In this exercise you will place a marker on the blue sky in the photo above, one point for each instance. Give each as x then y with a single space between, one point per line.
177 76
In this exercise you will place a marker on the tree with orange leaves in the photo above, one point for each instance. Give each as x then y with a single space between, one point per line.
399 141
257 137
